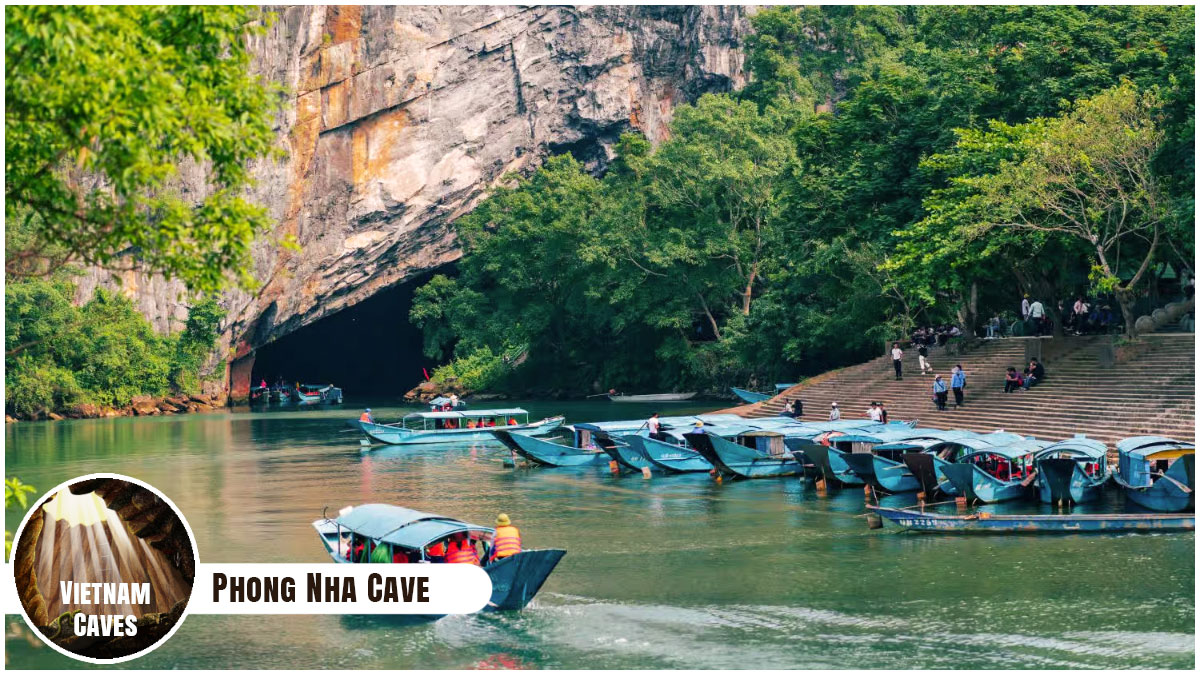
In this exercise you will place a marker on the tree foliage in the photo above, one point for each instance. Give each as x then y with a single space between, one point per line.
863 183
105 352
103 105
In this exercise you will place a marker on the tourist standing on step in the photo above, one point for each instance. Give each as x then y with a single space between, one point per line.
834 413
1037 313
1025 308
939 392
897 355
923 358
958 380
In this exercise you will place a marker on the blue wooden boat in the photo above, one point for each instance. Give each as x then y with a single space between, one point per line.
1157 473
669 457
442 403
878 457
749 396
930 452
549 453
823 450
455 426
1071 471
318 394
994 523
386 533
995 474
615 439
760 453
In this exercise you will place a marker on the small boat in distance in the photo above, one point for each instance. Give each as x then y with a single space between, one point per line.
749 396
651 398
1071 471
382 533
455 426
318 394
1157 473
994 523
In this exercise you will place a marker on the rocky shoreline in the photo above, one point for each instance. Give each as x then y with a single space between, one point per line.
140 406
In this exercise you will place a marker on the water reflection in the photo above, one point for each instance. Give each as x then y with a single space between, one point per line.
670 572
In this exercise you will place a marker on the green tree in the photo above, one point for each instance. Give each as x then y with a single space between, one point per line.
15 495
103 105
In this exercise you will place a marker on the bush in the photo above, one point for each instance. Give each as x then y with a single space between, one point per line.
58 355
479 370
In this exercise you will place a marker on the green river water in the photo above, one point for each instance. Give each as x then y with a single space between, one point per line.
672 572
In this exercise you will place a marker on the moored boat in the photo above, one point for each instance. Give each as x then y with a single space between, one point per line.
651 398
1157 473
928 453
759 453
992 523
823 450
997 473
1071 471
456 426
386 533
545 452
748 396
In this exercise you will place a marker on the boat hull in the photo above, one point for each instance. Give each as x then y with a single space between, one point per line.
389 435
624 454
881 472
668 457
738 461
917 521
652 398
546 453
1165 495
927 470
517 578
975 484
828 464
1061 479
748 396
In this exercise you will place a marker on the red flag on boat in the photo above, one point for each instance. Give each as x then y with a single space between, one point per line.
426 374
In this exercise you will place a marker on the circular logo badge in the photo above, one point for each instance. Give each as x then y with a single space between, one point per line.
104 567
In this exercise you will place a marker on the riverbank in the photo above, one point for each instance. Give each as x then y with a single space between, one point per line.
139 406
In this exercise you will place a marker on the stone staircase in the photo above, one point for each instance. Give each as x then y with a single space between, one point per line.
1150 392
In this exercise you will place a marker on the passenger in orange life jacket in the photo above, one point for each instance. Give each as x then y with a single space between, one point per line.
366 417
436 552
507 541
462 550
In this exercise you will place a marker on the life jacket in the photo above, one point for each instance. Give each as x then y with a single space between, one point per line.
365 417
462 552
507 542
437 550
512 422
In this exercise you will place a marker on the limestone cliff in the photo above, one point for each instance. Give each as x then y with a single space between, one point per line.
397 119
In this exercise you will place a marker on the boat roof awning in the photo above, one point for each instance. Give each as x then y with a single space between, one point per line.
461 414
1088 447
1145 447
1014 450
400 526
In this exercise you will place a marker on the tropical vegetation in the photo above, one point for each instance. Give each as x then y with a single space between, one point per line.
886 167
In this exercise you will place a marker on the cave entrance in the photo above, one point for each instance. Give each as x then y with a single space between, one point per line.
367 349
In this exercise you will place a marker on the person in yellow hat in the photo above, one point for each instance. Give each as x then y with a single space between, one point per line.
507 540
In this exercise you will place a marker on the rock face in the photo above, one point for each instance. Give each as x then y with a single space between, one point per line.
397 119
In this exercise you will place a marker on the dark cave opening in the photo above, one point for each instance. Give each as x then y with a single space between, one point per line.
369 348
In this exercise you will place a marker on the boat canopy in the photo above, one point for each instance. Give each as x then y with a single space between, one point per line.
1015 450
780 388
400 526
1154 447
1083 447
464 414
672 421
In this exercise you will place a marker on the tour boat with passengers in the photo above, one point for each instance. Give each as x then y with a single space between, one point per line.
317 394
878 457
455 426
1073 471
995 473
1157 473
930 453
382 533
